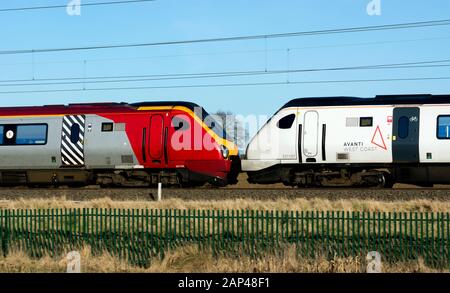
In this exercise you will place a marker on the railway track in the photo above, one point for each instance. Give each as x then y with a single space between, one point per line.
148 194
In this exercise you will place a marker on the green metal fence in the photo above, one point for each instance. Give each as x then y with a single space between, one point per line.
140 235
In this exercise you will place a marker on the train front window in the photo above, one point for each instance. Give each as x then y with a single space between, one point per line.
1 134
213 124
286 122
443 127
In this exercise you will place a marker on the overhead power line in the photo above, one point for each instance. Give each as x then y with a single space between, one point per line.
180 76
94 60
243 38
230 85
64 6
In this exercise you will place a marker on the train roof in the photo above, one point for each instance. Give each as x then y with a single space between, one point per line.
188 105
377 100
90 108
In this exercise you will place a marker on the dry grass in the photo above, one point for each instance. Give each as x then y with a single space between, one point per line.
280 204
190 259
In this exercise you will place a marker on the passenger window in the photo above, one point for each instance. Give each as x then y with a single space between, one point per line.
403 127
31 134
1 134
443 127
75 133
286 122
179 123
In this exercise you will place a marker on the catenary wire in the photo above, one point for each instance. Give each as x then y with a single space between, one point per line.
433 23
231 85
16 9
150 77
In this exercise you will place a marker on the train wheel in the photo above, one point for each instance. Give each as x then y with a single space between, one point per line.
387 180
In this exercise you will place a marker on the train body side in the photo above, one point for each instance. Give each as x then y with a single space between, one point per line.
117 146
352 145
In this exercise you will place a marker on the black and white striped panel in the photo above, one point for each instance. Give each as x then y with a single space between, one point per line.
72 142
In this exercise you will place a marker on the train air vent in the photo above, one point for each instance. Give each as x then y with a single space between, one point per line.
127 159
352 122
342 156
14 177
120 127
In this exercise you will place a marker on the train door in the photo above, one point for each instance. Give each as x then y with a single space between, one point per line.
72 141
158 141
405 135
311 135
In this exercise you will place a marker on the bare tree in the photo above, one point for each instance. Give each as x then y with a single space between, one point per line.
233 128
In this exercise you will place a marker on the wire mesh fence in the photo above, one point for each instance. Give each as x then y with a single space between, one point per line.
140 235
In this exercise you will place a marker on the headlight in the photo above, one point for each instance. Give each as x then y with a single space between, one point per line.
225 152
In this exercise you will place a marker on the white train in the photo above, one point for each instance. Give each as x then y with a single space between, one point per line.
347 141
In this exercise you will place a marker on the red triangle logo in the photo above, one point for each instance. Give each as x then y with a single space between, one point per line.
378 139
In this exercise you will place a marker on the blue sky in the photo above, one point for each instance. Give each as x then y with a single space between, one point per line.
167 20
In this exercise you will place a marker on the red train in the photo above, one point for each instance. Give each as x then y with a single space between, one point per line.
120 144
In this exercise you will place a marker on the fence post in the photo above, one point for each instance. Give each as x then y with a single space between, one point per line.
267 232
252 233
313 236
411 247
354 233
426 236
5 238
448 239
328 250
306 232
389 251
416 238
442 249
362 241
209 235
297 235
276 234
243 232
160 239
432 258
1 231
213 232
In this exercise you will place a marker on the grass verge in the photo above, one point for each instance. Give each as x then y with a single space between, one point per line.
356 205
191 260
